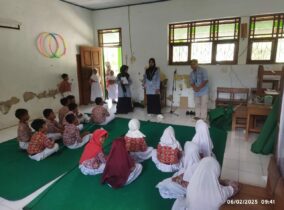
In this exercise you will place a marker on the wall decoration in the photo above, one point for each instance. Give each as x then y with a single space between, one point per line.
5 106
45 94
51 45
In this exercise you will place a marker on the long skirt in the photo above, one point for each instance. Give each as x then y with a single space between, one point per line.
124 105
96 91
153 104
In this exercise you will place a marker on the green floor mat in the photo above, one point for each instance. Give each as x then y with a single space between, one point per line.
21 176
76 191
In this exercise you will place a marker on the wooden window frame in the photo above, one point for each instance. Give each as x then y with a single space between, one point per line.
213 37
109 30
275 35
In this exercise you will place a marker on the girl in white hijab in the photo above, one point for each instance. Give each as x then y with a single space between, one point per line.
175 187
205 191
168 154
202 139
135 142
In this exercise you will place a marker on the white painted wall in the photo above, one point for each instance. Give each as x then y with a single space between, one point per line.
149 30
22 68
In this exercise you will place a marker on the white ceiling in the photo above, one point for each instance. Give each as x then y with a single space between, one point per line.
105 4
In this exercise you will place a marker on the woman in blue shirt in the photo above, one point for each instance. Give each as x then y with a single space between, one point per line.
152 86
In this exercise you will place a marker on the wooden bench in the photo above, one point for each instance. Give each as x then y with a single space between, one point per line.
274 191
231 96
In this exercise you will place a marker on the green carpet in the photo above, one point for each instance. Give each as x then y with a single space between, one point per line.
76 191
21 176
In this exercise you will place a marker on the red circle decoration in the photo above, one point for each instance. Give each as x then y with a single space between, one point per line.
51 45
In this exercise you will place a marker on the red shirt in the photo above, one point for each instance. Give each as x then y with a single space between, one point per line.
168 155
64 86
24 132
38 143
135 144
99 114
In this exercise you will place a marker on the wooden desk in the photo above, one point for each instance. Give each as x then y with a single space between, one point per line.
256 110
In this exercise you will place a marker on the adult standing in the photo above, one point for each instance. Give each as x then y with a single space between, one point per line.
124 104
199 83
96 90
152 85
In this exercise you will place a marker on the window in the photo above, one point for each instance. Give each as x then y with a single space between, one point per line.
266 39
211 42
110 41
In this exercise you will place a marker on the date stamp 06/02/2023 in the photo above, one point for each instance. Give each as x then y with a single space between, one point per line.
251 201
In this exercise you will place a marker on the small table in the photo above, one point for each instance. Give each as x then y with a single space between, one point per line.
256 110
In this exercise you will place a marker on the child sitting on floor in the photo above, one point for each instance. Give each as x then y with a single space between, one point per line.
54 129
135 142
93 159
202 139
40 146
73 109
100 114
175 186
63 110
168 154
24 131
71 135
120 168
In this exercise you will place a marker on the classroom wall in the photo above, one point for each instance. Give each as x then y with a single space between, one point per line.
149 34
23 68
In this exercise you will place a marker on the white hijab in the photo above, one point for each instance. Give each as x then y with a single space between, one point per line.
204 191
202 138
168 139
134 132
191 160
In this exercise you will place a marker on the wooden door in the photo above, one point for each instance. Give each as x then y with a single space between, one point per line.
90 58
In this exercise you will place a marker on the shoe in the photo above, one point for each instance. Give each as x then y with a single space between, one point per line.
160 116
149 115
196 118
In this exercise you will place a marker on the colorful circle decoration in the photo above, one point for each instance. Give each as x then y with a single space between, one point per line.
51 45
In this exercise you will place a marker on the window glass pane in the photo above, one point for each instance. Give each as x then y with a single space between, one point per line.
202 33
180 53
113 56
261 51
225 52
280 51
202 52
180 35
263 28
226 31
111 38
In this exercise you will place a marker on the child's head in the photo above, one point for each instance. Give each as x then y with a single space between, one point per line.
70 118
49 114
73 107
39 125
22 115
99 101
65 77
100 135
111 72
64 101
71 99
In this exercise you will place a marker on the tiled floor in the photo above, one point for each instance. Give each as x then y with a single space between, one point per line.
239 164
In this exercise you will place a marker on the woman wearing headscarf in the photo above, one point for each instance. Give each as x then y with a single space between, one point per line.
152 86
168 154
175 186
120 168
93 159
96 90
136 143
205 191
123 80
202 139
